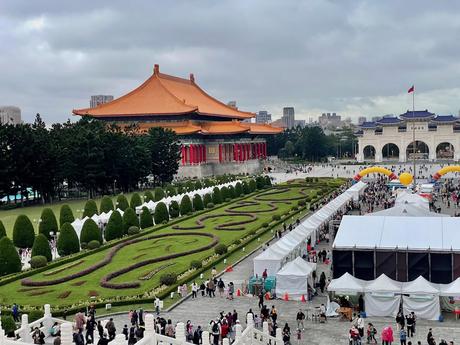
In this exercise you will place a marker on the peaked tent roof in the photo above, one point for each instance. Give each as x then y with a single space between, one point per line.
347 284
163 94
420 286
383 283
452 289
407 210
298 267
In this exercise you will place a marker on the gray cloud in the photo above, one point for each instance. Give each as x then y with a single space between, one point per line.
353 57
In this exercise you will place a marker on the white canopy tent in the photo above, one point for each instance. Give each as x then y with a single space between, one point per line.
294 279
347 285
405 197
357 189
451 290
407 210
423 299
382 296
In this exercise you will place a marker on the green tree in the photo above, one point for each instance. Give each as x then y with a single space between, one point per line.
65 215
238 189
148 196
122 202
159 193
189 186
185 205
246 189
171 190
146 218
2 230
161 214
197 202
90 232
260 182
47 223
252 185
106 204
135 201
216 196
129 219
207 198
174 210
224 193
164 149
42 247
114 228
23 232
231 192
67 242
198 185
90 209
9 257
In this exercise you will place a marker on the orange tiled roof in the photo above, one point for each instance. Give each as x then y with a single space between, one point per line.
262 128
162 94
181 127
228 127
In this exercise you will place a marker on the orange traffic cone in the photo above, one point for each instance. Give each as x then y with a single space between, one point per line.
238 293
286 297
302 299
229 269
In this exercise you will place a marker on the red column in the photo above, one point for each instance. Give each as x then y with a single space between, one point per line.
220 153
201 153
234 152
257 150
240 152
265 150
192 154
187 154
182 153
204 153
248 146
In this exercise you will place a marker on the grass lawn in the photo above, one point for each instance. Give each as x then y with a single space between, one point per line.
8 217
80 289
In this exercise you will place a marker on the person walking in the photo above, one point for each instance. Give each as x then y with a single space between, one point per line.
111 330
15 312
322 281
194 289
300 318
402 336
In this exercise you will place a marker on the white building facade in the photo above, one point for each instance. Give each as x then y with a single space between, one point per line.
10 115
437 137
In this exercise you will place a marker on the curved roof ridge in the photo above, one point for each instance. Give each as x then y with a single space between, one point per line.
195 107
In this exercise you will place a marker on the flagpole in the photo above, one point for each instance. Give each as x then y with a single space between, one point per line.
413 133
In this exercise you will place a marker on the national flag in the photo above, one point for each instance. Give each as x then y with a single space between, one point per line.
412 89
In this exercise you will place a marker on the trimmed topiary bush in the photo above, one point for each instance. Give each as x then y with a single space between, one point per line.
210 205
148 196
23 232
260 182
114 228
168 279
198 185
135 201
189 186
185 206
268 181
2 230
231 192
94 244
224 193
9 257
122 202
197 202
90 232
129 219
41 247
238 189
246 189
47 223
83 245
171 190
196 264
174 210
216 196
90 209
66 215
67 242
301 203
159 193
180 189
133 230
38 261
220 249
252 185
8 325
106 204
146 220
161 213
35 315
207 198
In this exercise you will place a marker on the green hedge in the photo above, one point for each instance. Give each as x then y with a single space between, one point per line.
122 202
146 219
197 202
90 209
41 247
174 209
106 204
9 257
2 230
185 205
90 232
114 228
23 232
148 196
67 242
65 215
159 193
161 214
129 219
135 201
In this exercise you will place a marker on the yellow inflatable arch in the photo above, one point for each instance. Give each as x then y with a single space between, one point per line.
391 175
445 170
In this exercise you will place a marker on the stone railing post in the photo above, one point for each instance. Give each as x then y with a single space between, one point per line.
265 330
25 329
238 331
225 341
205 338
279 336
250 320
47 322
180 332
66 334
150 333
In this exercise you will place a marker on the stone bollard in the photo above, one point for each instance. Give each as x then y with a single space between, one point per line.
225 341
66 334
238 332
279 336
180 332
205 338
47 321
265 328
150 328
250 320
25 329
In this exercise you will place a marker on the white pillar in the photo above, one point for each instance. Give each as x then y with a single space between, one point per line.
66 334
265 328
279 336
205 338
238 331
47 322
149 332
180 332
25 330
249 320
225 341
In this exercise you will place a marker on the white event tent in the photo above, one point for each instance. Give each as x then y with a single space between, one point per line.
405 197
294 279
407 210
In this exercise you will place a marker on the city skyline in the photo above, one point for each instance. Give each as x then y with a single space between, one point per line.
354 60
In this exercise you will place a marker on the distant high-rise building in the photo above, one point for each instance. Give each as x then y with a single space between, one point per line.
300 123
263 117
361 120
330 119
99 99
288 117
10 115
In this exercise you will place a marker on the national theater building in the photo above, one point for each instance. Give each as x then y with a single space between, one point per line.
214 138
437 137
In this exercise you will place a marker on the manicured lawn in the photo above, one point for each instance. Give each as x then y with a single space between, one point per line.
79 290
8 217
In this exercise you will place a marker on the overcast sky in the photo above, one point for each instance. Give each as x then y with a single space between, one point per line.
350 57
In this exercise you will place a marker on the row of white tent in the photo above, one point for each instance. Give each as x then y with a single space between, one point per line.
167 200
100 219
293 244
382 296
